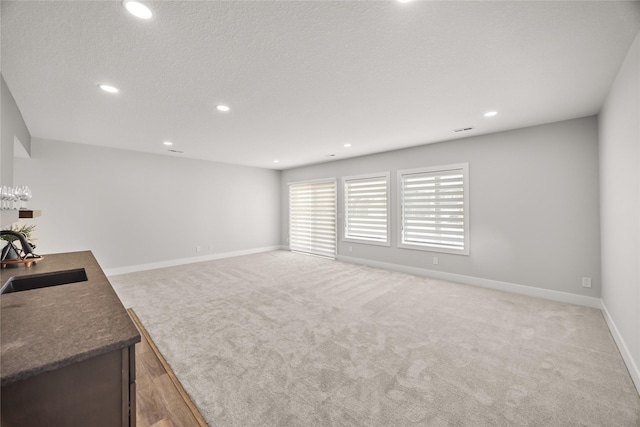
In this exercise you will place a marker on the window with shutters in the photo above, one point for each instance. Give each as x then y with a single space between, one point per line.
434 209
312 217
366 209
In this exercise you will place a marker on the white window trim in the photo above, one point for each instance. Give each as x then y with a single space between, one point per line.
387 177
335 218
457 166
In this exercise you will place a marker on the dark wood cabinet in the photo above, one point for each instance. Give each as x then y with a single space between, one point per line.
67 352
99 391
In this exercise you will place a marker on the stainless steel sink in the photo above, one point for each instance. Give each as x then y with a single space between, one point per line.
44 280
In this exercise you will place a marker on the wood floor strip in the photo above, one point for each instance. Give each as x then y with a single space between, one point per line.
160 377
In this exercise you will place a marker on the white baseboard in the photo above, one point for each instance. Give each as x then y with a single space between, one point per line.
485 283
182 261
622 346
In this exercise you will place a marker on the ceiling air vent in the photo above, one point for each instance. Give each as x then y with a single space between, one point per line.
463 129
176 151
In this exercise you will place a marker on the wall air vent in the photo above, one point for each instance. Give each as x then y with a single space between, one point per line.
464 129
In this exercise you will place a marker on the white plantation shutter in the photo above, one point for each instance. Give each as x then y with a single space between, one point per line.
434 209
312 218
366 216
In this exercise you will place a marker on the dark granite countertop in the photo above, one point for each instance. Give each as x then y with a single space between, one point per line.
46 329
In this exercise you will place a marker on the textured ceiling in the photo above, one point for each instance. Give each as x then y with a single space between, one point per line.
304 78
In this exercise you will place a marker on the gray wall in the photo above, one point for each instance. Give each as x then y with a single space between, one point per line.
534 205
12 126
134 208
619 127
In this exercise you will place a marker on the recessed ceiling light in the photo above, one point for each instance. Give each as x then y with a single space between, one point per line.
168 143
347 145
138 9
276 161
222 108
108 88
404 1
490 113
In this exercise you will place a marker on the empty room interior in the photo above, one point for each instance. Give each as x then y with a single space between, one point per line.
320 213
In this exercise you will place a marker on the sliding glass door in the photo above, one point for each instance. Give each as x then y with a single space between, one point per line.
312 217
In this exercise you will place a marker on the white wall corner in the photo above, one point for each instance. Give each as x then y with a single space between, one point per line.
632 367
19 149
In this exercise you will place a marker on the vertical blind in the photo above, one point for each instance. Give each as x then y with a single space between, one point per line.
366 210
312 218
433 210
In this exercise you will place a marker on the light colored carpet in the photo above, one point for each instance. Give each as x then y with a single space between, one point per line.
283 339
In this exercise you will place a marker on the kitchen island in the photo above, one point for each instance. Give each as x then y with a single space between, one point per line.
67 351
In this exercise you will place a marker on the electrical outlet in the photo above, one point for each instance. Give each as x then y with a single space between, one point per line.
586 282
350 248
198 248
211 247
435 260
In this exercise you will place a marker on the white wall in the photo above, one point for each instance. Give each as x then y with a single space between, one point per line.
134 208
619 125
12 126
534 205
